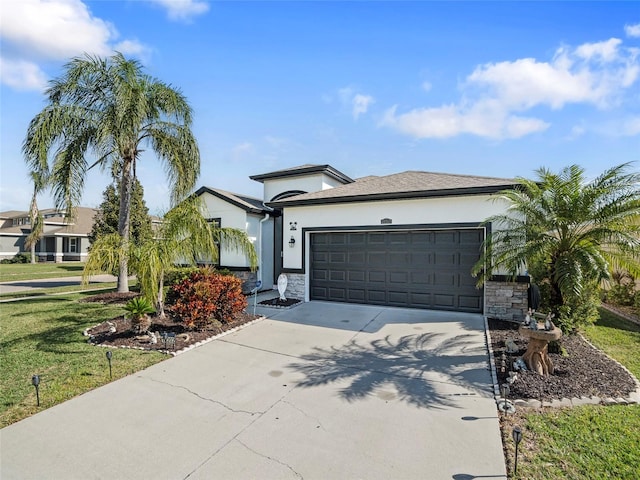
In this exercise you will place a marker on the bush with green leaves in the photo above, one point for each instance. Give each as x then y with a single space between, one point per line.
621 294
140 308
204 297
17 258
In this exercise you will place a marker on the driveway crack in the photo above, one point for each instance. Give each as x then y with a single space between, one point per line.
196 394
269 458
306 414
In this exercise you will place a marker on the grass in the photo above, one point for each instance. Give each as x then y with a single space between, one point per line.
11 272
44 336
583 443
617 337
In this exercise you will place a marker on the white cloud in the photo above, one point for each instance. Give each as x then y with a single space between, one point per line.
632 30
34 31
426 86
494 94
183 9
483 120
358 103
22 75
361 104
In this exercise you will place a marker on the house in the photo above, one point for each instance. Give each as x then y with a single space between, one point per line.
408 239
63 239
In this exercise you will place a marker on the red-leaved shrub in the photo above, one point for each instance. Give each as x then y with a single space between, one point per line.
206 296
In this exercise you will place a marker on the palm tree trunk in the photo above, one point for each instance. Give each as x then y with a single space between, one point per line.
160 299
123 225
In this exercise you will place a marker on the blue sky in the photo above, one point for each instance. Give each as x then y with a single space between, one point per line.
372 88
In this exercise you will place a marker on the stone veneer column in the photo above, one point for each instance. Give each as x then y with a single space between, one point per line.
506 300
295 285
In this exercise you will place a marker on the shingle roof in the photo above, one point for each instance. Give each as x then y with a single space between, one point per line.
408 184
249 204
303 170
56 225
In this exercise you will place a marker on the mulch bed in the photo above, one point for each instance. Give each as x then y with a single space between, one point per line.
581 371
124 336
276 302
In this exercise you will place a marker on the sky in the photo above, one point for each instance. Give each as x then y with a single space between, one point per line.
497 89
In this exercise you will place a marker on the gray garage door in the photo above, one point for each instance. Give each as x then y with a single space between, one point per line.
417 268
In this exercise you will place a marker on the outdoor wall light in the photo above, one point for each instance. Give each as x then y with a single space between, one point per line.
293 225
109 356
35 381
292 242
517 438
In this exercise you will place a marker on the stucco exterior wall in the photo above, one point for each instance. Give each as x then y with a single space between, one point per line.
232 217
428 211
307 183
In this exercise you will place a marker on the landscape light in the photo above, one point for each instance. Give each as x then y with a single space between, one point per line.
109 355
35 381
505 405
517 438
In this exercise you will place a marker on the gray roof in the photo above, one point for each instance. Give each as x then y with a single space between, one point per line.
303 170
410 184
80 225
249 204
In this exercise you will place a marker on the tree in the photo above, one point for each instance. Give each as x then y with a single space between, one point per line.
107 110
106 220
185 236
40 179
567 232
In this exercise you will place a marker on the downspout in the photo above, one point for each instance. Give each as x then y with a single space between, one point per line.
266 217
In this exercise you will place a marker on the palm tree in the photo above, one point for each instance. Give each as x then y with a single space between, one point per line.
567 230
39 179
185 236
107 110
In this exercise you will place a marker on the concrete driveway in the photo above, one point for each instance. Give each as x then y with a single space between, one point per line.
319 391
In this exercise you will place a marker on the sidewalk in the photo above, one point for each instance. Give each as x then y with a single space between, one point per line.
29 285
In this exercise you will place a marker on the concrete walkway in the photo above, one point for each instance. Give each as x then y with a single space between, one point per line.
319 391
29 285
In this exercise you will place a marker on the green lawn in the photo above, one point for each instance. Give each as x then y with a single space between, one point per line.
590 442
26 271
44 336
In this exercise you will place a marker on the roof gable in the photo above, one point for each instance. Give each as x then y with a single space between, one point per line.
301 170
246 203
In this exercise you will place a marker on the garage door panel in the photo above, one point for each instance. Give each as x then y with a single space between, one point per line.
337 275
356 276
357 239
377 296
319 274
443 300
412 268
399 277
420 278
356 295
356 258
375 259
377 276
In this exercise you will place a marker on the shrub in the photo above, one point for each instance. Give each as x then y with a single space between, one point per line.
17 258
139 307
206 296
621 294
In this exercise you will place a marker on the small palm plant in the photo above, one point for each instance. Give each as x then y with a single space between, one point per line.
139 308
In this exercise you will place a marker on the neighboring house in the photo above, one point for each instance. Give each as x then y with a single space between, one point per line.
63 239
407 239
